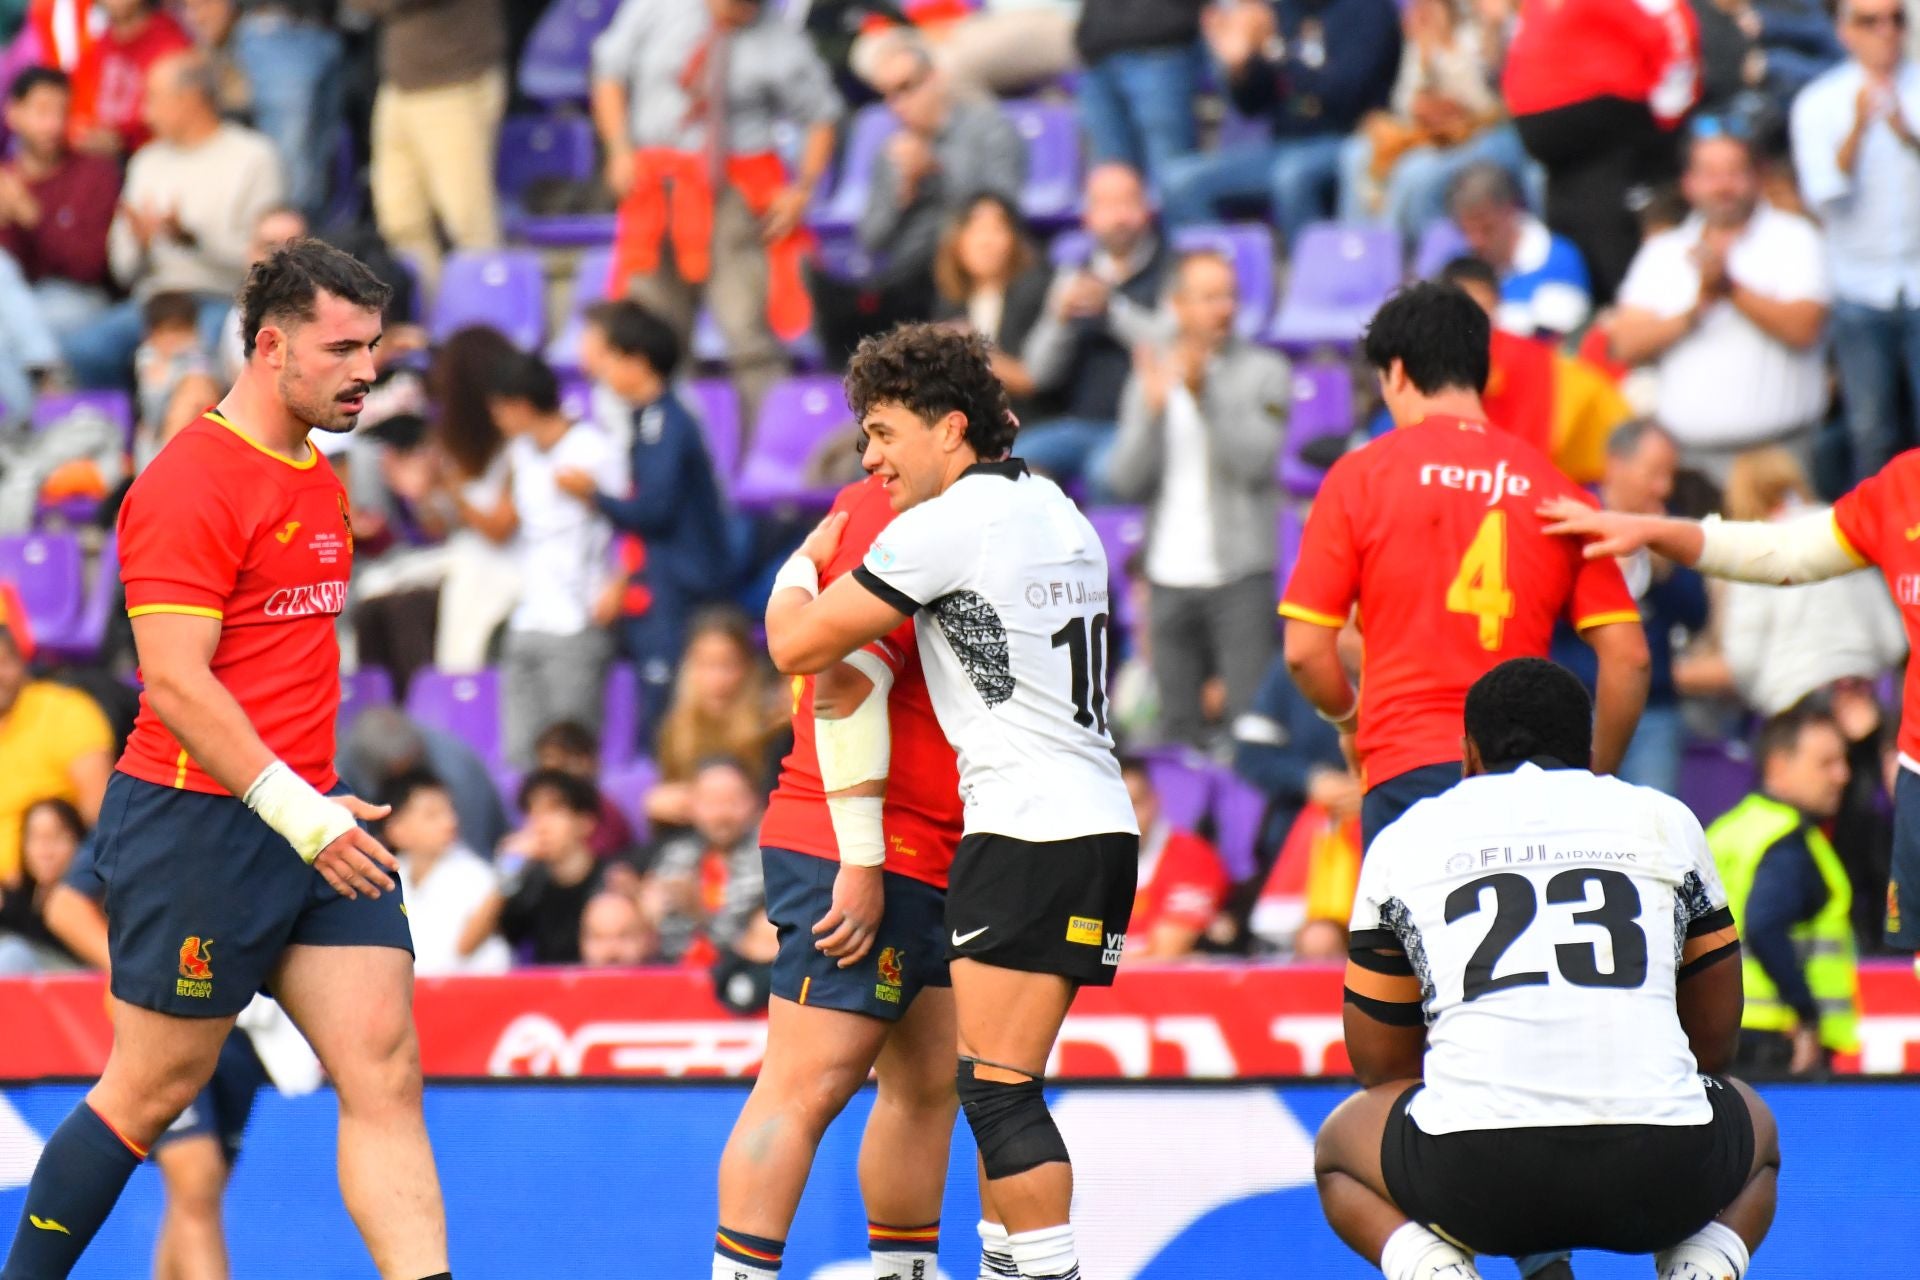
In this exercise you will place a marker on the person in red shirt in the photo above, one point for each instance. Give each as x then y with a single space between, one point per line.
231 858
1430 531
1875 525
55 204
1182 884
110 82
857 841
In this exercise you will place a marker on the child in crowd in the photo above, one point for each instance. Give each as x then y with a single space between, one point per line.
169 361
540 908
447 886
570 747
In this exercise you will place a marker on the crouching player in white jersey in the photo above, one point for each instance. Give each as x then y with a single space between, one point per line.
1570 946
1007 583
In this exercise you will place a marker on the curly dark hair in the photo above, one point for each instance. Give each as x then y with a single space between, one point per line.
931 370
1440 336
1529 707
285 284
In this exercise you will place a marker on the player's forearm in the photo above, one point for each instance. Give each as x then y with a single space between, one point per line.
200 712
1777 553
1313 659
796 646
1620 692
853 738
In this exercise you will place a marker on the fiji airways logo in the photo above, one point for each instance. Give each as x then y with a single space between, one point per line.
305 602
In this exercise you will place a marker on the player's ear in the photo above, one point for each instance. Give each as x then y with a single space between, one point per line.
1471 766
953 431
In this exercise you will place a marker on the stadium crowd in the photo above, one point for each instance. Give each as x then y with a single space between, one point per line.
632 243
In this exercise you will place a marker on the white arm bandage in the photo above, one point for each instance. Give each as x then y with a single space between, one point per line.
799 571
309 821
853 749
1807 549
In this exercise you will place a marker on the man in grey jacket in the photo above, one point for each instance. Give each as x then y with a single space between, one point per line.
1201 425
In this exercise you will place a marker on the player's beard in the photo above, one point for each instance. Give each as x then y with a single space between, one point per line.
322 413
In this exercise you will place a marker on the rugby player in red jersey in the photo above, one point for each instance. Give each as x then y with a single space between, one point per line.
231 858
857 841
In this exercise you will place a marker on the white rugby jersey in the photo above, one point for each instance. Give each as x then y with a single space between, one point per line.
1008 583
1545 913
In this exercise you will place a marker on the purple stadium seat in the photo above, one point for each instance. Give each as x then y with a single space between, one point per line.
1185 782
1238 807
1340 276
841 257
466 706
627 787
49 570
1070 249
1322 406
576 396
717 405
1291 526
800 415
556 63
1051 196
590 274
533 148
505 288
506 784
1122 531
367 687
1440 244
115 406
1249 247
82 640
1715 776
872 126
620 731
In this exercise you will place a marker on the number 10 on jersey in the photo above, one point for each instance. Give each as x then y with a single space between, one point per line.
1085 640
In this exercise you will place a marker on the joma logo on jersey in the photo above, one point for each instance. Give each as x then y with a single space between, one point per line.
1495 483
196 968
305 602
1083 930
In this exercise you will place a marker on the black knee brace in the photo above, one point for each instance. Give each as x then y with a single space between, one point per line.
1010 1123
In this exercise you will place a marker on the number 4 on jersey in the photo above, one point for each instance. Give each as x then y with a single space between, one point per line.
1480 587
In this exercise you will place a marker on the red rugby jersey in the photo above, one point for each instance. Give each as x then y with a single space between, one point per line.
1879 522
1431 531
923 809
221 527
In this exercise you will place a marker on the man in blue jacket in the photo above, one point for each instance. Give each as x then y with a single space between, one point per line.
676 552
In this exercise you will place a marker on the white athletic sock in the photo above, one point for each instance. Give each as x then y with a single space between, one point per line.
1046 1254
1714 1252
996 1262
1415 1253
733 1269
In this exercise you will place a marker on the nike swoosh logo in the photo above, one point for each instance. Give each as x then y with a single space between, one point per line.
962 939
48 1224
286 535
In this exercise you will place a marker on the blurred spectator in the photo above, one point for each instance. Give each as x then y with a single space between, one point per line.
447 885
614 933
1563 405
1857 151
688 96
1316 68
29 352
1729 307
276 226
1782 643
1080 353
55 203
1133 697
294 61
569 747
1444 116
724 707
554 664
473 504
539 908
1863 829
1641 462
841 28
436 124
1790 893
1283 747
1201 426
1141 64
211 24
708 886
991 276
384 744
54 744
1543 283
114 74
1182 884
992 47
676 552
192 199
1600 121
50 834
1754 58
946 151
168 354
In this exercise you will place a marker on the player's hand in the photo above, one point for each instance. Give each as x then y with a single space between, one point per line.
356 863
853 921
1807 1057
1609 533
824 540
575 483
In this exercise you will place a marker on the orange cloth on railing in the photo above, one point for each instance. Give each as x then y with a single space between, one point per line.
672 196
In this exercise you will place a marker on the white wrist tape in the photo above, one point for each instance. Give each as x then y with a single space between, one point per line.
1806 549
798 571
854 749
287 803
